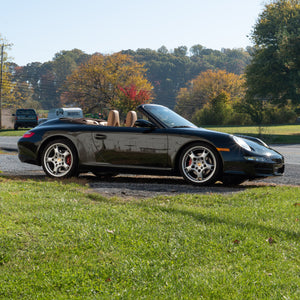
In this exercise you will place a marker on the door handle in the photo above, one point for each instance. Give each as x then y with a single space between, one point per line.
100 136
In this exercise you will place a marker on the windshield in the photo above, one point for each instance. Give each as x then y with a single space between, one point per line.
168 117
25 112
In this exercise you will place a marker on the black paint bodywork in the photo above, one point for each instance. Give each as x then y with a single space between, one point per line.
147 150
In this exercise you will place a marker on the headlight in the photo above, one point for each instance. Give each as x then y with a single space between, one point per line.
257 158
242 143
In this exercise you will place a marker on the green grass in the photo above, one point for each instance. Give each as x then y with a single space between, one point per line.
12 132
281 134
59 241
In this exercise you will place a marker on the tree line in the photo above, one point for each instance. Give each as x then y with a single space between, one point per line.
256 85
167 71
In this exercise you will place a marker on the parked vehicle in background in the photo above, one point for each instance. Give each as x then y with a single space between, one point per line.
71 112
25 118
57 113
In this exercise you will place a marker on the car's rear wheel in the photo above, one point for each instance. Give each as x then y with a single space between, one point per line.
200 164
59 159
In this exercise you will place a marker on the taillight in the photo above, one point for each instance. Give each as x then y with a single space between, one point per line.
28 134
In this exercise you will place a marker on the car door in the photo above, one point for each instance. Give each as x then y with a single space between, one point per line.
130 146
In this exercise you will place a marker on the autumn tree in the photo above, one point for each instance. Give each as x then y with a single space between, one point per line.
209 90
101 82
131 97
7 95
6 84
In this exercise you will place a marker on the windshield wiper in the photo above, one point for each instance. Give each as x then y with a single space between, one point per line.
182 126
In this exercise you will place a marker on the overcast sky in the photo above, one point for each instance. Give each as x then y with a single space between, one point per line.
40 28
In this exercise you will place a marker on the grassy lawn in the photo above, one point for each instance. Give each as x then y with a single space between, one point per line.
12 132
59 241
281 134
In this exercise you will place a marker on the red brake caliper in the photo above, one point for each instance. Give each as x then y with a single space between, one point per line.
68 160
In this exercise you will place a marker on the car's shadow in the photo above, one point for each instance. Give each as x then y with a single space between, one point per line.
149 186
144 185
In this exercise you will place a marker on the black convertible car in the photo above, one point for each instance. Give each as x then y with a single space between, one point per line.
159 142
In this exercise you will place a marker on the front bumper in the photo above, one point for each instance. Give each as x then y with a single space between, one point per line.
253 169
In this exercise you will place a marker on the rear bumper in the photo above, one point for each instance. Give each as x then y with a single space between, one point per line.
26 124
27 153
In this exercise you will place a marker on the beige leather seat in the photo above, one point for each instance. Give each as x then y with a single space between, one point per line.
130 118
113 118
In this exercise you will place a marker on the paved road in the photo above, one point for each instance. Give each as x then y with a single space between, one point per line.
146 186
9 142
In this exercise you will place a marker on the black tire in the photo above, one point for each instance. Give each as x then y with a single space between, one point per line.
59 159
200 164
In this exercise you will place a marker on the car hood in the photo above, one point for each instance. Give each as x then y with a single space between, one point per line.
221 139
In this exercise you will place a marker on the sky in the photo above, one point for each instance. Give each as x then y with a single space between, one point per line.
40 28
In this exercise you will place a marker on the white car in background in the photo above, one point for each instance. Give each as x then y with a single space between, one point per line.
57 113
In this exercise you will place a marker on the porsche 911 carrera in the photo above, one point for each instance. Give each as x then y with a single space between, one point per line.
154 140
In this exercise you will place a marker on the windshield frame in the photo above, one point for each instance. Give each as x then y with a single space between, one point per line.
164 117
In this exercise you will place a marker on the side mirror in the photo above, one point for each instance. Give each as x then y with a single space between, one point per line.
143 124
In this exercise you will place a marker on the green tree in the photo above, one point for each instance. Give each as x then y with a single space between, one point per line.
217 112
196 50
273 75
66 62
163 50
35 82
180 51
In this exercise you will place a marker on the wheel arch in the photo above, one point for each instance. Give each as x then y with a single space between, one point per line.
49 140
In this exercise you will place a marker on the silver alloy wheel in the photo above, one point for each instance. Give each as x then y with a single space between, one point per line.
58 160
199 164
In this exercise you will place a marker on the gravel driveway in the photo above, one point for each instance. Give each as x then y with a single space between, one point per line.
149 186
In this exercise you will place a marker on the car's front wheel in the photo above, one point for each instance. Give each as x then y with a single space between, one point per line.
59 159
200 164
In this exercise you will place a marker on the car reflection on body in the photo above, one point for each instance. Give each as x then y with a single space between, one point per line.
161 143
